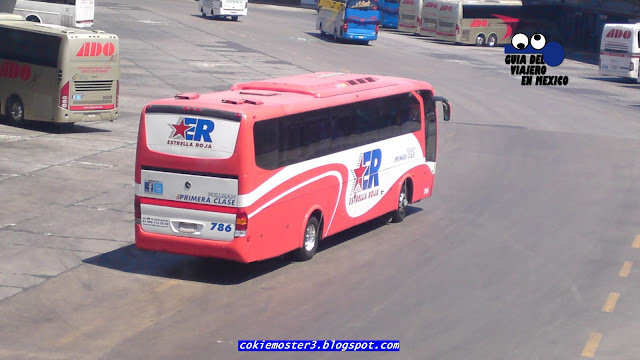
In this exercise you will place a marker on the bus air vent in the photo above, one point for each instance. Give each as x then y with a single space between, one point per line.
242 101
186 96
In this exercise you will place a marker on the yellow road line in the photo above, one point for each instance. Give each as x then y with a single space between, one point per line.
592 345
626 269
610 304
636 242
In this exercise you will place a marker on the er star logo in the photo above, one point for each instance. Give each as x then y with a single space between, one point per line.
359 172
179 129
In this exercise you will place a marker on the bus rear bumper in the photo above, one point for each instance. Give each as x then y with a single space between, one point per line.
235 250
73 117
360 37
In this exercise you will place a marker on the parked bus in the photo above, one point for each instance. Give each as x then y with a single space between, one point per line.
223 8
57 74
389 13
620 50
410 16
72 13
271 167
355 20
491 23
429 23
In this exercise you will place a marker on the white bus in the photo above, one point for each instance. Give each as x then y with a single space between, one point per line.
410 16
223 8
72 13
57 74
620 50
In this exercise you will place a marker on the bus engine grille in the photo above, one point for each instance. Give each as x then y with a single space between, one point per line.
97 85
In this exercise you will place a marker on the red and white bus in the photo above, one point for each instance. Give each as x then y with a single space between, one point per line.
271 167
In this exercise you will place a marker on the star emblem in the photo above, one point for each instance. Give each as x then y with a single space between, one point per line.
359 172
179 129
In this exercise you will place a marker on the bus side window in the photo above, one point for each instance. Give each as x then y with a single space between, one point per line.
265 135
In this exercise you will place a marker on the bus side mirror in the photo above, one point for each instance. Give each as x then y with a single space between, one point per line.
445 106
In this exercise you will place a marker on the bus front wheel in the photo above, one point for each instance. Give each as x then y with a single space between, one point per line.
15 111
310 240
403 201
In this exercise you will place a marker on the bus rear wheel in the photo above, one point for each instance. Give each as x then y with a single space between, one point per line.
234 17
309 241
15 111
493 40
403 201
480 40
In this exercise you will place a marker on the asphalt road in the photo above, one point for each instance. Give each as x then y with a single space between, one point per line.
526 250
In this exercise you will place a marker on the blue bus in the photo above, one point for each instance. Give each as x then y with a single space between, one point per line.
389 13
353 20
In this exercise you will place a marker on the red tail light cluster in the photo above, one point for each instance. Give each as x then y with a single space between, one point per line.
64 96
242 222
457 29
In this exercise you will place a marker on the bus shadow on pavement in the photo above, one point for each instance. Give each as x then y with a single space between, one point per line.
216 271
629 82
329 38
57 128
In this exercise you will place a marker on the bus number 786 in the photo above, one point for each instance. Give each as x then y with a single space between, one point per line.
221 227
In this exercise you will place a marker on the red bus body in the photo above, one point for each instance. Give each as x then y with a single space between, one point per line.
237 174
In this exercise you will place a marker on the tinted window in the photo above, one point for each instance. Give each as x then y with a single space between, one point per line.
487 11
29 47
295 138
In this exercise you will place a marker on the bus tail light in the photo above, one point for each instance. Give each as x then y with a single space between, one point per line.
242 222
117 93
377 27
631 67
457 29
64 96
344 28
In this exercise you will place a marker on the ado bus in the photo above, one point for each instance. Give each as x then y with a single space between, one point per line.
223 8
356 20
57 74
410 16
73 13
429 22
620 50
491 23
273 166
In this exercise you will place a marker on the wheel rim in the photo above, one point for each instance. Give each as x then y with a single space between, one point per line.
479 40
16 111
492 41
403 201
310 237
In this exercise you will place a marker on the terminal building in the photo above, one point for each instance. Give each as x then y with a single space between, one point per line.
581 21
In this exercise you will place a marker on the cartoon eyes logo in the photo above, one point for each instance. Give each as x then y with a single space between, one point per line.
552 51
